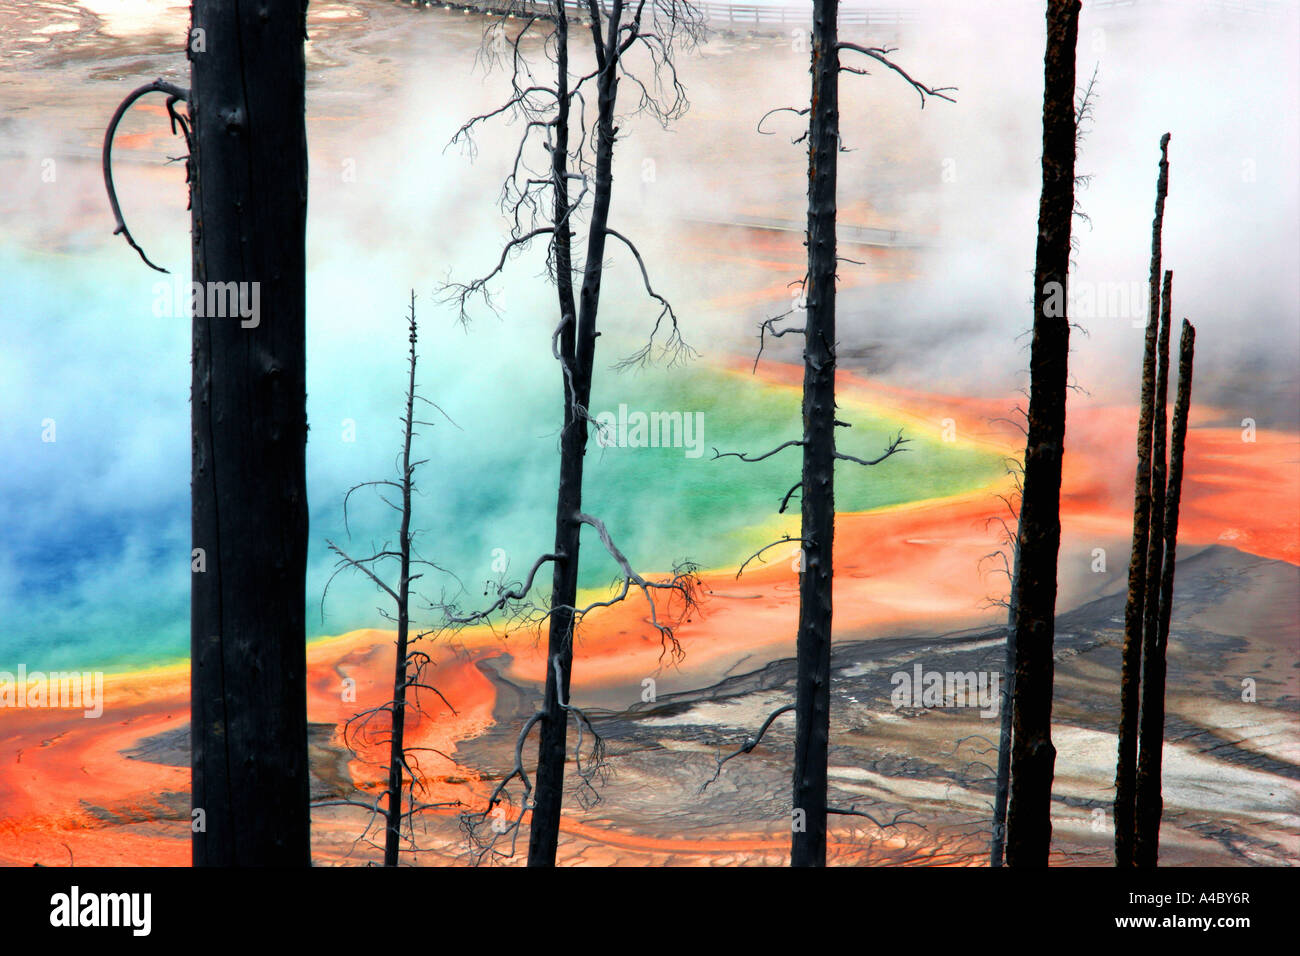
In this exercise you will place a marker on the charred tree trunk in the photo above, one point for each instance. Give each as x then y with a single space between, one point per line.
397 743
1029 827
813 646
1150 804
1159 478
577 345
1155 550
1002 790
248 646
1135 606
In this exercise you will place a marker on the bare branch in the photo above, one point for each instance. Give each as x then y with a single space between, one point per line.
461 292
881 55
685 582
786 500
853 811
768 326
675 344
792 443
505 595
174 94
784 109
895 447
765 547
346 561
749 744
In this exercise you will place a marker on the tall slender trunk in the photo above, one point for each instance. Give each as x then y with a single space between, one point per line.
1150 804
813 646
249 428
1003 786
1159 479
1154 563
577 344
397 751
1135 606
1029 826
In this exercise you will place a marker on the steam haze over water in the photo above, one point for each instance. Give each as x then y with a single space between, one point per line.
94 530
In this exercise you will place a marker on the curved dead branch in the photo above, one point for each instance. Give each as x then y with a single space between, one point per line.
175 94
784 109
881 55
675 347
749 744
853 811
759 552
895 447
685 583
768 327
792 443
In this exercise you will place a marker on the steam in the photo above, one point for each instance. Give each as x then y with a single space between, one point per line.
84 520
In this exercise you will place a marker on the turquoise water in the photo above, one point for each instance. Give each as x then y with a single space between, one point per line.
94 525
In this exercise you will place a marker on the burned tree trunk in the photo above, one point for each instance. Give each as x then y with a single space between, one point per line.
817 479
248 646
1155 549
813 644
1135 606
1029 828
403 772
401 677
577 345
544 831
1159 477
1150 804
1002 785
614 30
552 751
1156 535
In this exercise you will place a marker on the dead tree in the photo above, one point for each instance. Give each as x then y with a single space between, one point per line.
408 664
1002 777
630 42
1159 479
813 643
493 832
1002 785
1155 642
1134 608
1011 568
1029 829
817 480
247 170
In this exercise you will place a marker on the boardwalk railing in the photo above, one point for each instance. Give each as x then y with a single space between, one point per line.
741 14
720 15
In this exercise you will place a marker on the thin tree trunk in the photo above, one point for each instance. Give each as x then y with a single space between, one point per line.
813 646
1003 786
1135 606
249 428
397 752
578 347
1159 479
560 182
1155 552
1150 804
1029 826
553 747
